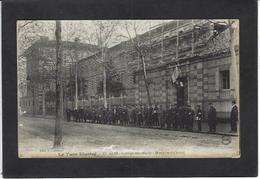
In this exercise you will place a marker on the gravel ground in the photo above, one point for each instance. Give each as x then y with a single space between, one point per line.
85 140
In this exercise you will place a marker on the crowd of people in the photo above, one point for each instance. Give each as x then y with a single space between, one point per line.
174 117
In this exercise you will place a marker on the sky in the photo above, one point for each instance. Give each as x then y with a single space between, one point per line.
84 29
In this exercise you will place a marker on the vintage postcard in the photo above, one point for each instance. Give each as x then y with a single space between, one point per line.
128 88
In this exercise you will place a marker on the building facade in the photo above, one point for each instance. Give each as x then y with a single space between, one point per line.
195 52
198 49
40 70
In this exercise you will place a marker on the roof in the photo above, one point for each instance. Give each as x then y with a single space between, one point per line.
64 44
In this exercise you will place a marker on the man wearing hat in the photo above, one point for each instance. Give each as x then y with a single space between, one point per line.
212 118
199 118
234 117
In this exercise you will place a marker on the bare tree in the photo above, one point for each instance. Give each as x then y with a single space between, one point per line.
28 32
104 34
72 30
59 88
141 45
233 30
25 37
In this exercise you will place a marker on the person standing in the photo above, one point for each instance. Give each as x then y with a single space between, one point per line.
149 116
174 116
76 114
110 116
178 118
155 120
85 115
234 117
199 118
168 116
96 110
183 117
68 114
90 115
190 118
113 115
212 118
146 116
100 115
117 117
124 116
120 114
140 116
160 116
134 116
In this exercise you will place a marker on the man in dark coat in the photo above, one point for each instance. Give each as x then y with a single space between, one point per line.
95 114
169 116
73 115
91 115
85 115
199 118
155 115
140 116
109 116
120 114
190 118
183 116
104 116
174 117
178 118
76 115
68 112
115 115
160 117
81 115
124 114
234 117
212 118
146 116
100 115
134 116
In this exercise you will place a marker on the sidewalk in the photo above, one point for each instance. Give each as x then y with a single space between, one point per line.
221 129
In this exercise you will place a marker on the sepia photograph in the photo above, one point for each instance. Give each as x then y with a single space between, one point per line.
164 88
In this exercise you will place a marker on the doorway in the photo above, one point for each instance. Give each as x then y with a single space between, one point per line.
182 92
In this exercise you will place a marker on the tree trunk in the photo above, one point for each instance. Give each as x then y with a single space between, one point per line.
146 82
33 100
59 89
43 102
234 69
105 78
177 41
76 80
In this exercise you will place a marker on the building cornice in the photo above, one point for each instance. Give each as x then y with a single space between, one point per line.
190 60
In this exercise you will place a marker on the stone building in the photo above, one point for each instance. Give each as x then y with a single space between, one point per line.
198 49
198 52
40 71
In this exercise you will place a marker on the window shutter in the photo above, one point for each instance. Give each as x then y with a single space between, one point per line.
217 82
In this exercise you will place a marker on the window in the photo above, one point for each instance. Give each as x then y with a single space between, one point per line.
225 84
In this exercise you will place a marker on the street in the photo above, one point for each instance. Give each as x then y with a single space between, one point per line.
84 140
